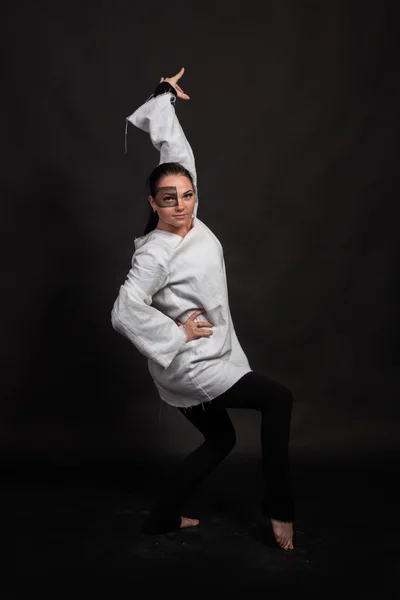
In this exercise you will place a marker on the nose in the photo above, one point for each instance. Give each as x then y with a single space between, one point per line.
179 206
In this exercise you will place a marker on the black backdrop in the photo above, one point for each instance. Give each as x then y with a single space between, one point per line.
294 122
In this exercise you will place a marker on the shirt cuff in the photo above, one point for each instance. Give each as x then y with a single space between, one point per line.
181 327
163 88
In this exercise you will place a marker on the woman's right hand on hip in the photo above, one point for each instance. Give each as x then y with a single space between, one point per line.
196 329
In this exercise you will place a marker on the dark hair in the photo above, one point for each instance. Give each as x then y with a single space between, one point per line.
171 168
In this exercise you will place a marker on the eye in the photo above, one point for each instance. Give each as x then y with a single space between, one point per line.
168 198
188 195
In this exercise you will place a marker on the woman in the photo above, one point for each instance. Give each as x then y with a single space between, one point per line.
174 308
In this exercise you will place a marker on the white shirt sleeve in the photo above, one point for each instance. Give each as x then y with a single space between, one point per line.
157 117
153 333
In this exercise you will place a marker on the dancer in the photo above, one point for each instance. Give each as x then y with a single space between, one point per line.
174 308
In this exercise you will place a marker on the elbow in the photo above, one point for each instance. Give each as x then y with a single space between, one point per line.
115 320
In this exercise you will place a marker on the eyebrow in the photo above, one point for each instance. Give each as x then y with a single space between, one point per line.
171 190
167 189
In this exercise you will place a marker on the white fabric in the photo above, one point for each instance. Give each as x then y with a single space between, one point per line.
171 277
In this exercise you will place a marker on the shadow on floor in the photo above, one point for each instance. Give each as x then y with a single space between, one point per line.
77 529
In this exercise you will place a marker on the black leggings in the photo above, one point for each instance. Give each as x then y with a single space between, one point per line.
254 391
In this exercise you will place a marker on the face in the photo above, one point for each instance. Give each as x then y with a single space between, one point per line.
174 203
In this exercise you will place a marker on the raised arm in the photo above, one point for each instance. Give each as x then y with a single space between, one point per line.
157 117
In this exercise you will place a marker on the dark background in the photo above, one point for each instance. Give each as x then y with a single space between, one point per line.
294 123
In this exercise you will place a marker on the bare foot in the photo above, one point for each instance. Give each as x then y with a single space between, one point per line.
283 533
186 522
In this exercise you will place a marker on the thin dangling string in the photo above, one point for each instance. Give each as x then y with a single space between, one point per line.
126 136
173 100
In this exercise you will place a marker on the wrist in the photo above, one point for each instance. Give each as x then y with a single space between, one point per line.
163 88
183 329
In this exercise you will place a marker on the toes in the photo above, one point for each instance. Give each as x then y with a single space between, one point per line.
285 543
288 545
186 522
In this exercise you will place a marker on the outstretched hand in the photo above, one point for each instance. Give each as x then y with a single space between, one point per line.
174 82
196 329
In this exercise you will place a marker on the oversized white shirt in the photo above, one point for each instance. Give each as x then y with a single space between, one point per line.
170 278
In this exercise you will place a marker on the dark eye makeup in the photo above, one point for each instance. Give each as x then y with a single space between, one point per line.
168 198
